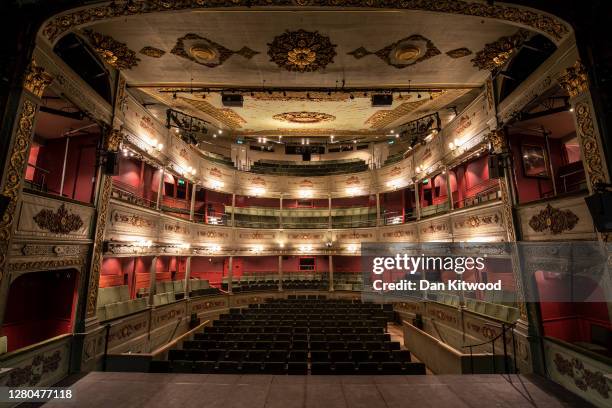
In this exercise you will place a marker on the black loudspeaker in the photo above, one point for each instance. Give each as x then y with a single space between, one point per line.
232 100
306 156
496 166
600 207
112 164
4 202
382 100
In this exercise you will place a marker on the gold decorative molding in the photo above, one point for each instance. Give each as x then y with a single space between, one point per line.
583 378
304 117
302 96
402 53
113 140
76 262
225 115
206 52
550 25
14 173
96 261
384 117
58 222
497 53
152 52
302 51
114 53
574 80
36 79
589 144
497 139
553 220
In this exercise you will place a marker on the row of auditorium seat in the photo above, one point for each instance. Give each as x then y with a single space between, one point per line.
289 336
319 169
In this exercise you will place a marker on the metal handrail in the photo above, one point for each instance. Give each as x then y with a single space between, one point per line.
504 327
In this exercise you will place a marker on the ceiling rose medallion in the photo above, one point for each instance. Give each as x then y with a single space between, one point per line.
304 117
204 51
302 51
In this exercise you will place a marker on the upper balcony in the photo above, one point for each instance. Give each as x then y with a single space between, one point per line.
309 169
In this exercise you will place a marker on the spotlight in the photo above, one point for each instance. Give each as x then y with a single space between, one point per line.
419 96
174 95
571 109
352 96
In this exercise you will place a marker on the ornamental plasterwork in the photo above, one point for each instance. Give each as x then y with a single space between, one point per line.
36 79
60 221
302 51
551 25
114 53
224 115
204 51
51 250
132 219
588 144
384 117
497 53
583 378
306 132
553 220
459 52
304 117
574 80
476 221
402 53
152 52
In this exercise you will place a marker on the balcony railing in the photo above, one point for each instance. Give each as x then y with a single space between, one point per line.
490 194
130 197
434 209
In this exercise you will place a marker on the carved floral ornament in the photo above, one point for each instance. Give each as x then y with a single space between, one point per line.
152 52
553 220
114 53
58 222
574 80
497 53
552 26
302 51
584 378
304 117
36 79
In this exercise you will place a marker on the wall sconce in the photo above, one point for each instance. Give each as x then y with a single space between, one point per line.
217 184
257 191
353 191
214 248
257 248
143 243
352 247
394 183
306 194
305 248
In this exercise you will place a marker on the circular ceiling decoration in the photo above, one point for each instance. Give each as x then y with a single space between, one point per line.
304 117
407 52
302 51
204 52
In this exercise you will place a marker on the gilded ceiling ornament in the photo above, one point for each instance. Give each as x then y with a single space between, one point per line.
36 79
152 52
574 80
206 52
551 25
302 51
304 117
497 138
298 132
224 115
383 117
553 220
459 52
403 53
58 222
114 53
497 53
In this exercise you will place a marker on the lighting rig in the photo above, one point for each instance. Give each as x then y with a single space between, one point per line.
191 129
419 130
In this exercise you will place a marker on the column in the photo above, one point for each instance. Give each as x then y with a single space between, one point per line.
378 220
233 208
451 204
280 273
417 201
331 273
160 187
187 277
230 273
280 214
152 272
194 187
329 213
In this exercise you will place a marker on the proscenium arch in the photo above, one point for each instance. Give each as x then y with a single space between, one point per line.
549 25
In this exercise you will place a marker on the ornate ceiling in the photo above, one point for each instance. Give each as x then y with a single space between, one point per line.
274 48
